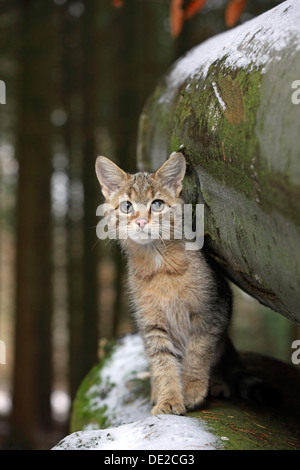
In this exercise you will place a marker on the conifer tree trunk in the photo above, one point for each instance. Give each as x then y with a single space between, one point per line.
71 91
91 89
33 367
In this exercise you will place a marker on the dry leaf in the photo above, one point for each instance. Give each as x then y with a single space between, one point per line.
233 11
193 7
117 3
176 17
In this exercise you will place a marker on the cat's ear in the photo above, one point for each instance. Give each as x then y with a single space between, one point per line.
172 172
110 176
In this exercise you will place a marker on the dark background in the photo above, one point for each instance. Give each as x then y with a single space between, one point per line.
77 75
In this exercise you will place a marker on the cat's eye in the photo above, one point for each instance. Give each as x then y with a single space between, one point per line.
126 207
157 205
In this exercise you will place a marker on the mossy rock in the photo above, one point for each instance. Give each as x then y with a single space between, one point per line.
117 391
117 386
254 427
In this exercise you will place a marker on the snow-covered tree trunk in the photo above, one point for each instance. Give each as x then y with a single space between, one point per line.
233 103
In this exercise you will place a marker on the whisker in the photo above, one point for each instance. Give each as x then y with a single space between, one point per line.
167 261
110 241
95 244
162 240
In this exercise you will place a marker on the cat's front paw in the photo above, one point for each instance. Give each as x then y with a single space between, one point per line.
169 407
194 395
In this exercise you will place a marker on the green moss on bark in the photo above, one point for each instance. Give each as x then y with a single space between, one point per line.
239 129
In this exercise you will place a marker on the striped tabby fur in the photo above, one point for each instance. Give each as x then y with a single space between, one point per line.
182 305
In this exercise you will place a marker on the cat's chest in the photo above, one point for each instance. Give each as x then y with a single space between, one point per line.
161 284
161 290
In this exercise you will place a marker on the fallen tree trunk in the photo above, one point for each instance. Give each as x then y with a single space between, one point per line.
117 392
233 103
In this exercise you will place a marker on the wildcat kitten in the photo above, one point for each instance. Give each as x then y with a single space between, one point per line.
182 305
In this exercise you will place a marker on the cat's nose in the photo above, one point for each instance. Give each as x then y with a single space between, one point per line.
141 222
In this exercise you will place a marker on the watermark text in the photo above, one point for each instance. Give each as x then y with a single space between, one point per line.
175 222
295 358
2 352
2 92
296 94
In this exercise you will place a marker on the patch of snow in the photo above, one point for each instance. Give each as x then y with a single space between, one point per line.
257 43
214 116
140 430
222 104
127 362
60 405
162 432
5 402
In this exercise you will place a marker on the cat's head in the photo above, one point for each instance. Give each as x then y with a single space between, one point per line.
143 204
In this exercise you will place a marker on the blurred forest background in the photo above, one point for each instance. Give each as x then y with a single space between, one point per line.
77 75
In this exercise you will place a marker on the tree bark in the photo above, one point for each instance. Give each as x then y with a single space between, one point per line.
72 134
91 88
33 362
230 103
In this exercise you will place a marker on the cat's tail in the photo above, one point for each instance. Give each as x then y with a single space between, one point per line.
244 384
253 389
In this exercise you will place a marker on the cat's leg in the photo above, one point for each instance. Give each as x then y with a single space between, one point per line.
196 370
225 369
153 392
165 370
167 389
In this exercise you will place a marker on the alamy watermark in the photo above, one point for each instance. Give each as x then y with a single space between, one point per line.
296 94
2 352
2 92
295 357
185 222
